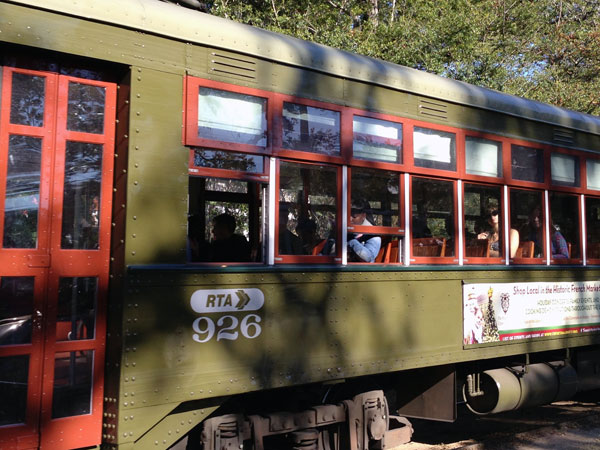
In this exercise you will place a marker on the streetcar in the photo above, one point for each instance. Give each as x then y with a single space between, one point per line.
229 238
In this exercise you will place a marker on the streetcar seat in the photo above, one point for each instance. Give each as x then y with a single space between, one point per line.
525 249
478 248
393 252
383 253
429 246
319 247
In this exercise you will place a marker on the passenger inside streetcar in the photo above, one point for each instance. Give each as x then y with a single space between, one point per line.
362 247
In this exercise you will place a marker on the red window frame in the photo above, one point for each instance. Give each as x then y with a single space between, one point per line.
274 147
200 171
563 261
469 260
348 124
301 259
453 260
277 130
381 231
530 261
190 115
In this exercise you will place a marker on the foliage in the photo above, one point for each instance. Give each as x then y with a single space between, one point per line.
546 50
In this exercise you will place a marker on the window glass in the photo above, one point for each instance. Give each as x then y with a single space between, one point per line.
225 220
432 217
16 310
377 140
527 218
81 199
27 100
232 117
14 374
72 393
311 129
593 174
21 205
483 221
76 308
527 163
564 226
564 169
218 159
381 190
483 157
307 209
434 149
592 227
86 108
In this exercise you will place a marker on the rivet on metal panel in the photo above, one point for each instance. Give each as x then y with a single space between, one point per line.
134 217
135 182
125 404
133 253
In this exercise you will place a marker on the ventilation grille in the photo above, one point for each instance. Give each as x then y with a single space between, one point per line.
431 108
563 136
232 65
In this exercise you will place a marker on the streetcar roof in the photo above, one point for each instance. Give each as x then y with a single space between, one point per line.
188 25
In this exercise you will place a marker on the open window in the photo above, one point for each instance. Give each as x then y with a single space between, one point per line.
483 223
308 212
433 220
565 228
226 210
375 229
528 219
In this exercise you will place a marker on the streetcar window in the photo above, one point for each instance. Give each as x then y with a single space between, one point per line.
311 129
564 226
308 210
377 140
527 218
483 230
219 159
374 213
225 220
592 226
483 157
564 170
593 174
527 163
232 117
433 218
434 149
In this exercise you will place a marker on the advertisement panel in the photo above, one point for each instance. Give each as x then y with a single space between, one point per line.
495 312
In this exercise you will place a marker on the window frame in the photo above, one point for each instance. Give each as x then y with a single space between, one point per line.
190 136
434 260
470 260
566 261
543 219
307 259
395 232
199 171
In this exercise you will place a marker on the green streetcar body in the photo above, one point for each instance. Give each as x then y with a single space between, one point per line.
320 323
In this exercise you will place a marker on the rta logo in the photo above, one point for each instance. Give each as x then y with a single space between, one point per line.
227 300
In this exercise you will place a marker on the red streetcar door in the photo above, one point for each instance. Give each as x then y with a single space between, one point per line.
56 161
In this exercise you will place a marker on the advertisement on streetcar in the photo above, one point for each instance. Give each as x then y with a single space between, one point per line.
494 312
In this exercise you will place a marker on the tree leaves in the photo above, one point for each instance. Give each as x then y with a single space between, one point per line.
546 50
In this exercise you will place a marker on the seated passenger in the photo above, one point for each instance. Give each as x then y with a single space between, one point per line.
534 231
362 247
289 243
492 234
307 230
558 244
228 246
